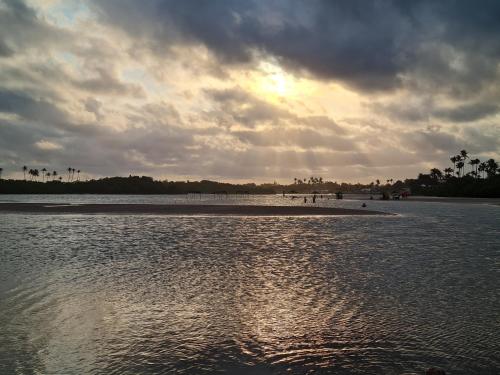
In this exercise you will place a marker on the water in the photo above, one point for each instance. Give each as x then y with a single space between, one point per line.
131 294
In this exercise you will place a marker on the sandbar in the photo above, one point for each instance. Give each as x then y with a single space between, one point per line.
180 209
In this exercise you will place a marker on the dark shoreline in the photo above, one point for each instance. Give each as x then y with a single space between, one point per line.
179 209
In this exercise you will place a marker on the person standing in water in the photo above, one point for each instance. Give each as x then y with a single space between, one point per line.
305 199
314 198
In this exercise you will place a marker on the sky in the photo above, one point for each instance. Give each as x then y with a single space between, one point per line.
248 90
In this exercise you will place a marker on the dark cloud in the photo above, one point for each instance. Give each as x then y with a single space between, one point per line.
30 108
22 29
468 112
5 50
367 44
417 110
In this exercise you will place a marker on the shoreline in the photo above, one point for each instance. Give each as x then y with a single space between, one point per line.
470 200
180 209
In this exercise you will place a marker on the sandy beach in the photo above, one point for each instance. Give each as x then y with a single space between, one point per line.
181 209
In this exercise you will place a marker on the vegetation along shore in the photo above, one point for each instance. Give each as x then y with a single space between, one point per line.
465 177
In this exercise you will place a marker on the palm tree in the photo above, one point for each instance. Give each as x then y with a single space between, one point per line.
448 172
54 174
60 178
43 174
78 175
436 174
464 155
474 162
460 165
454 161
1 170
69 173
482 168
491 167
25 168
36 173
72 174
48 176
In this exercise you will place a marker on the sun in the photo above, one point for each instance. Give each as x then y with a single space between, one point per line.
276 84
279 84
274 81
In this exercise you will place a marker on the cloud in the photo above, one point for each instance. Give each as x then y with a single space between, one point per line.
47 145
468 112
369 45
174 89
29 108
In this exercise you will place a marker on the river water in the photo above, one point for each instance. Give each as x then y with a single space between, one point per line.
132 294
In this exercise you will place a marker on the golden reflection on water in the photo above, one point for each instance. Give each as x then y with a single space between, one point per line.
187 295
284 312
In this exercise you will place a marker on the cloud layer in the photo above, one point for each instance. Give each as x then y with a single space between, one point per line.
239 90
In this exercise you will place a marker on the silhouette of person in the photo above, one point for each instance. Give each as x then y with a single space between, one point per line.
305 199
314 198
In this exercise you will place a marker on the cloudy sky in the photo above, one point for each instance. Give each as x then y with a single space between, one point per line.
248 90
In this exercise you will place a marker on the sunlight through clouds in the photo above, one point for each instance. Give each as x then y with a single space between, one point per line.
297 87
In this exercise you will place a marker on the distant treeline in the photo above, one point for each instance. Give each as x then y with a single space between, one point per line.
146 185
126 185
481 180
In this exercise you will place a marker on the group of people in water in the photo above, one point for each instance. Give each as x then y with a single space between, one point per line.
338 195
305 198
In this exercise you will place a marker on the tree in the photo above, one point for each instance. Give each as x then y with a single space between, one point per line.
78 174
491 167
1 170
448 172
436 174
25 168
54 174
482 168
69 173
463 155
460 165
454 160
474 163
43 174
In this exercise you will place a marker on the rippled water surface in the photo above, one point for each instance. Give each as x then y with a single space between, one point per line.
131 294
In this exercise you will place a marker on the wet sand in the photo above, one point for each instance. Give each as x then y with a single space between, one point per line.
425 198
421 198
181 209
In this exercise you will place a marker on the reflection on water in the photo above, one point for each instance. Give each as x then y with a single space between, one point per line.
151 294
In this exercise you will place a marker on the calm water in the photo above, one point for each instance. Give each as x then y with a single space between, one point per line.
131 294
